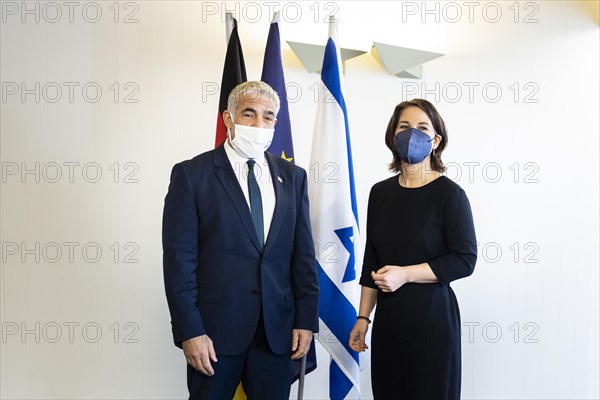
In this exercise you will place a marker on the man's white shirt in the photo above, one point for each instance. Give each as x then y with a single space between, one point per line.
263 177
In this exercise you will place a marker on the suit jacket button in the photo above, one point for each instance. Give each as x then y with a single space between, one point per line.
255 291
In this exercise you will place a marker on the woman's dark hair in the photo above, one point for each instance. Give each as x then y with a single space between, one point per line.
438 125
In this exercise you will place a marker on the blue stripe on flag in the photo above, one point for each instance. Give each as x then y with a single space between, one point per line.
331 78
340 385
339 319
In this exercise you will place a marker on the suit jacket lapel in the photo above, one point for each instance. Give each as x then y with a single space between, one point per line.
280 201
230 183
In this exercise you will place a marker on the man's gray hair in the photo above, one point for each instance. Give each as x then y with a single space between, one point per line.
252 90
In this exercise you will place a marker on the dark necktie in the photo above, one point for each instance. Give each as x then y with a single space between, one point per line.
256 203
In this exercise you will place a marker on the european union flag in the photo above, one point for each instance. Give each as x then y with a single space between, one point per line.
282 145
272 74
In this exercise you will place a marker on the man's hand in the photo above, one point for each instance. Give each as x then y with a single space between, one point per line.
301 339
199 351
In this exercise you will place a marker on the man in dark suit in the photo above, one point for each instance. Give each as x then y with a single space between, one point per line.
238 257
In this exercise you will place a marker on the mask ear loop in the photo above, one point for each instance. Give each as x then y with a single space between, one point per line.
432 148
228 130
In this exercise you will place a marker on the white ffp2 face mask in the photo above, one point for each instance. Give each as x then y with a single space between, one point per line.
249 141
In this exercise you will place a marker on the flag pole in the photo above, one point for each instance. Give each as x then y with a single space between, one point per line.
301 378
229 24
303 360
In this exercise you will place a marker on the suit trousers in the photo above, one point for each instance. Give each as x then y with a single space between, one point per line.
264 374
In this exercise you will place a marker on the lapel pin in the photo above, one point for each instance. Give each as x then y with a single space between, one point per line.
279 179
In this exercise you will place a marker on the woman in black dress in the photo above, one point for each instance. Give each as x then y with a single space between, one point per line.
420 237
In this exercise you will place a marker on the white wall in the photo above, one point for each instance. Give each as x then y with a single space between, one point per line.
530 313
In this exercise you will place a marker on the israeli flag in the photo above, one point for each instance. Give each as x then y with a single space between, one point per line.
334 220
